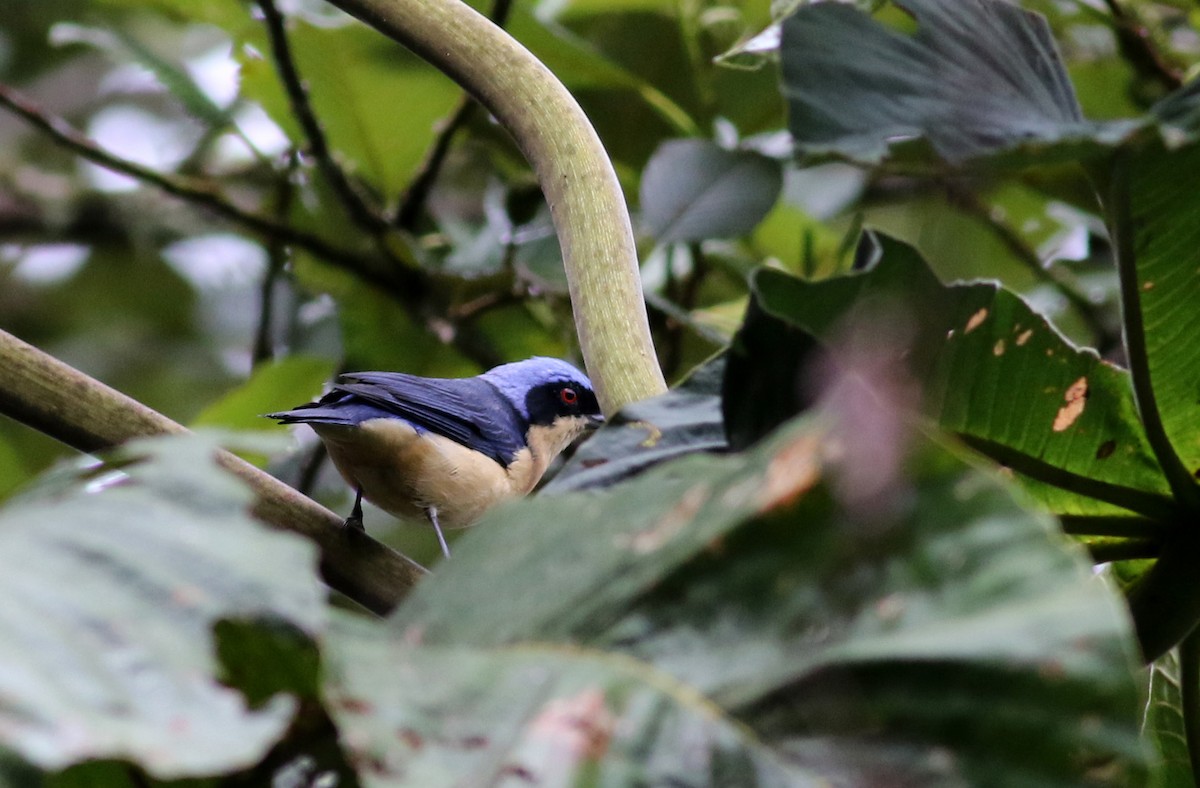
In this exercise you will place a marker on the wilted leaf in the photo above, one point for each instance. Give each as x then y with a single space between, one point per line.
112 586
694 189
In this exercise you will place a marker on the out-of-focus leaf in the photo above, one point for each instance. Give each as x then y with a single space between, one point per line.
379 104
582 67
686 419
1163 204
537 714
112 585
951 638
124 46
993 370
272 386
694 189
977 78
1164 724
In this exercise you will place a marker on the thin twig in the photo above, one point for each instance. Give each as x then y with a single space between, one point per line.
418 190
277 256
310 468
352 199
404 284
1139 50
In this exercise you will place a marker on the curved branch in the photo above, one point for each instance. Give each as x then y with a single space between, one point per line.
572 167
82 412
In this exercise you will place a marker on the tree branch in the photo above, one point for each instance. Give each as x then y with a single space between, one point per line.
1138 49
405 285
422 183
360 211
82 412
573 170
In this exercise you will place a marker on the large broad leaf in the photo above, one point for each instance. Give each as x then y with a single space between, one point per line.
544 715
992 369
694 189
935 634
271 386
112 584
1164 724
685 420
1162 206
977 77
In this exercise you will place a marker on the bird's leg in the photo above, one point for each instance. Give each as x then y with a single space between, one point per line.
355 520
433 518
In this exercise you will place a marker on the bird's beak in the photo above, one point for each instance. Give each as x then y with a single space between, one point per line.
594 422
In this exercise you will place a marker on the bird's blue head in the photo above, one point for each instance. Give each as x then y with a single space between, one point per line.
546 392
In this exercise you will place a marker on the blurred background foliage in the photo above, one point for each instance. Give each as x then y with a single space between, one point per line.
410 234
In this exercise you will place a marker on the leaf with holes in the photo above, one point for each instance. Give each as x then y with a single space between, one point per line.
991 369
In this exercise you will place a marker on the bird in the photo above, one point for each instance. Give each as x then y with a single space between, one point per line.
449 449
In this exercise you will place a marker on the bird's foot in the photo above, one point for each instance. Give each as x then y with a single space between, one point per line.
355 520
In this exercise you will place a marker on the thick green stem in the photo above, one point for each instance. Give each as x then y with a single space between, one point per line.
83 413
572 167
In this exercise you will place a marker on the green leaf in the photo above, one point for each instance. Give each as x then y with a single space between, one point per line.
1166 240
1164 724
274 385
115 580
950 637
685 420
694 189
976 78
537 714
992 371
122 46
378 103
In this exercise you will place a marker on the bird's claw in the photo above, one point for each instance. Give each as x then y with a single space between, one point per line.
354 522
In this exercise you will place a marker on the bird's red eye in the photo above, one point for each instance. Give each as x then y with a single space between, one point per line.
569 396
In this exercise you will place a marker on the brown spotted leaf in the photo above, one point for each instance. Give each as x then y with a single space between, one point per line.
992 371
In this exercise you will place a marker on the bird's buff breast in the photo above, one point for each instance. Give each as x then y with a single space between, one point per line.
404 473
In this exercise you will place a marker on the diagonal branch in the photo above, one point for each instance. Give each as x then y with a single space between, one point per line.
350 195
405 285
82 412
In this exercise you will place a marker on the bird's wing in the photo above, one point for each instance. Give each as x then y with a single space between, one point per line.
466 410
